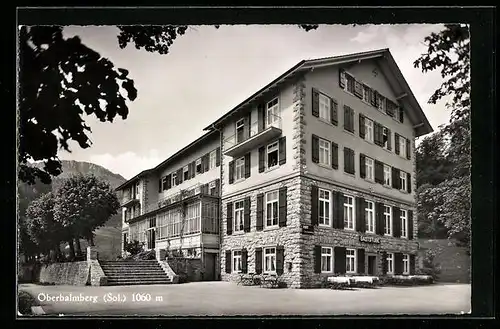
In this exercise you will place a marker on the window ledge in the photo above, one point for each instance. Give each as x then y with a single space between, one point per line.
349 229
349 132
372 181
271 228
324 226
271 169
322 165
349 174
328 122
238 232
238 181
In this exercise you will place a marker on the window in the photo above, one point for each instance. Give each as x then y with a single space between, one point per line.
350 261
272 208
385 138
324 152
402 146
369 168
238 216
349 212
174 179
326 259
367 94
186 173
240 168
272 112
402 181
213 188
381 102
240 130
390 263
404 223
269 260
324 207
198 166
324 107
387 175
387 220
370 216
237 261
368 130
192 218
350 83
213 159
406 264
272 155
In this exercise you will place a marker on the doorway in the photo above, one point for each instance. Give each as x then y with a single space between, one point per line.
151 236
209 266
372 265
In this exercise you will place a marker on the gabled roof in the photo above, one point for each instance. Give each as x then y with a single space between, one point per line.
422 125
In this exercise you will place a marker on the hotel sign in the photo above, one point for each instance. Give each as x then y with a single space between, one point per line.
369 239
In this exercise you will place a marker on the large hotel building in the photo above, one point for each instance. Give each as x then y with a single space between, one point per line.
311 176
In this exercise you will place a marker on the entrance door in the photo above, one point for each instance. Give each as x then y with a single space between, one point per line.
209 267
151 236
372 265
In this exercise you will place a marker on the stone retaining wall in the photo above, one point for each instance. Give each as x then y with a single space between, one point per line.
71 273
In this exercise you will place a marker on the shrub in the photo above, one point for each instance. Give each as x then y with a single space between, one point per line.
25 301
134 247
430 266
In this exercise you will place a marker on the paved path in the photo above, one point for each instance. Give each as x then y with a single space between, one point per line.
224 298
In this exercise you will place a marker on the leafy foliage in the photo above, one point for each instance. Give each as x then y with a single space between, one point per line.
151 38
133 247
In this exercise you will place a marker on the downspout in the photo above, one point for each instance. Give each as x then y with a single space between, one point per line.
220 200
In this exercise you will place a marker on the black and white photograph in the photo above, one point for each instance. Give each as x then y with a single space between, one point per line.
244 170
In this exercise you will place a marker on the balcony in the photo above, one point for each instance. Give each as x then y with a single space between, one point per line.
129 199
176 197
243 141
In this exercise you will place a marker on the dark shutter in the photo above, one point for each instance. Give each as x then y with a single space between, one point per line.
260 117
315 149
342 80
346 159
334 109
379 218
314 205
349 161
379 172
377 98
282 206
217 187
373 98
317 259
384 262
360 215
260 212
228 261
179 176
258 260
217 157
246 214
408 149
247 165
160 185
244 260
247 124
396 143
358 89
231 172
335 156
362 168
207 162
401 115
347 118
395 178
361 125
398 263
262 158
315 102
191 169
389 141
410 224
229 216
280 259
396 222
360 257
412 264
282 150
408 182
202 164
169 181
339 263
376 133
338 210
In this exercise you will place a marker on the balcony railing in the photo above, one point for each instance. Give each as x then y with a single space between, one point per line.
250 136
128 198
176 197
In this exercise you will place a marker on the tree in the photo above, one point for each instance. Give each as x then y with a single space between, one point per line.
449 51
60 79
84 203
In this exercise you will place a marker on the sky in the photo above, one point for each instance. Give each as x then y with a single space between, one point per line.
209 71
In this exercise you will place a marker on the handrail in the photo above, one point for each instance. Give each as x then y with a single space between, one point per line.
270 120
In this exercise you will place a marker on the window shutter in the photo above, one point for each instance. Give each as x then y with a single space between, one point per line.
262 156
317 259
384 262
396 143
360 215
282 206
282 150
352 162
408 182
396 222
260 117
335 156
193 169
228 261
315 149
377 133
246 214
247 165
377 98
258 260
334 111
373 98
410 224
351 120
169 181
247 124
315 102
280 259
362 168
379 218
217 157
202 164
207 162
231 172
160 185
401 115
358 89
398 263
346 117
244 260
339 254
360 257
314 205
338 210
361 126
346 159
408 149
389 141
342 80
179 176
412 264
229 216
379 172
395 177
260 212
217 187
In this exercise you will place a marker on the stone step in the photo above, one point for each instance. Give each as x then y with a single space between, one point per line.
142 270
141 278
121 279
128 262
134 283
116 268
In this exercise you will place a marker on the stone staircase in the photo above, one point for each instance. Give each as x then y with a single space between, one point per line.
121 273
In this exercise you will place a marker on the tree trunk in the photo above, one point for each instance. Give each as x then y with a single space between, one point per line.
92 241
71 249
78 247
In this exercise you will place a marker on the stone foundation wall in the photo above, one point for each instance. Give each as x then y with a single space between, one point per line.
71 273
187 269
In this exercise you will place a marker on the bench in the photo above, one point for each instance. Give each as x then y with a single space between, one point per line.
269 281
247 279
